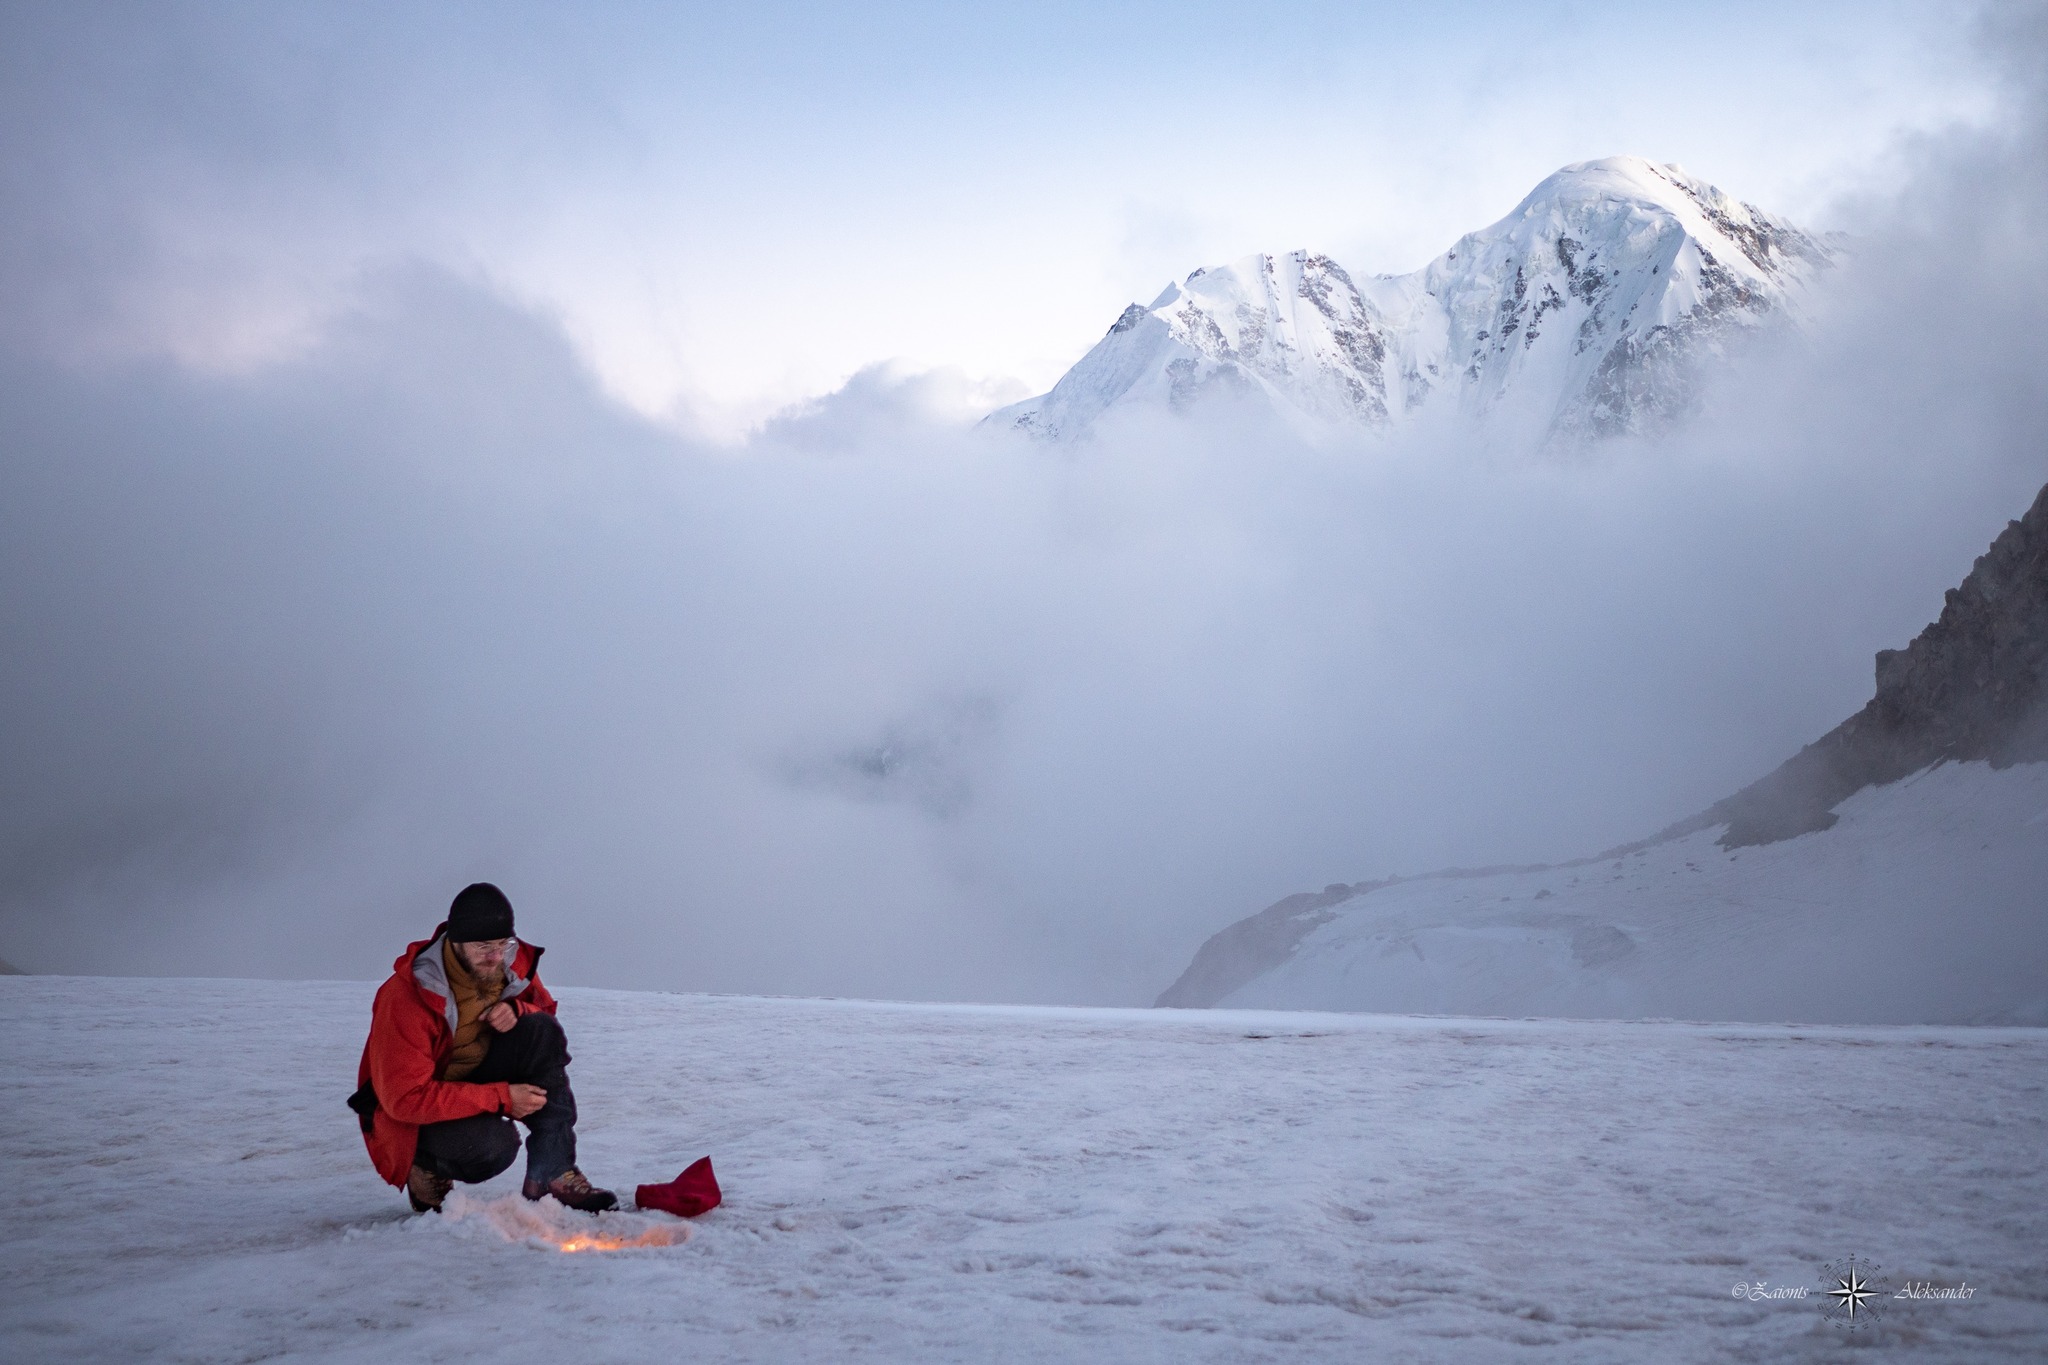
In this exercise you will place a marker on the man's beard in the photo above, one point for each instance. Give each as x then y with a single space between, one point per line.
490 983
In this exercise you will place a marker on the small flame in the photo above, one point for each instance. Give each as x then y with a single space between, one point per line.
653 1237
550 1227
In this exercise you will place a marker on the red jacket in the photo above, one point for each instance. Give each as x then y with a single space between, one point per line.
412 1029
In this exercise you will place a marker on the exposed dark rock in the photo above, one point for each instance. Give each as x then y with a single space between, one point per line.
1971 686
1132 315
9 969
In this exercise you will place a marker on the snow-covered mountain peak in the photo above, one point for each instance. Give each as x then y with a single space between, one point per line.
1631 205
1588 310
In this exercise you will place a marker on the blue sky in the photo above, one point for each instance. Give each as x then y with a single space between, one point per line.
732 208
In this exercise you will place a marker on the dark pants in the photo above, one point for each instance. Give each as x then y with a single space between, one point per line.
533 1052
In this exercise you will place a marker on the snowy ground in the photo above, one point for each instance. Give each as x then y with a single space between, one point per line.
956 1183
1927 902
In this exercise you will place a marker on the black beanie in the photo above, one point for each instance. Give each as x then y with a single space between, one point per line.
480 912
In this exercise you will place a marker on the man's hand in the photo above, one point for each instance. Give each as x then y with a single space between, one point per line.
501 1017
526 1099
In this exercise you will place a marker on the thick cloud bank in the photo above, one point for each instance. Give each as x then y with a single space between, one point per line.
875 705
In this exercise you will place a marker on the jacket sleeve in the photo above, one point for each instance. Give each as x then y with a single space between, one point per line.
402 1070
534 999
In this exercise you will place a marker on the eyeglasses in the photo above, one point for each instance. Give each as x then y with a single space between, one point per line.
486 945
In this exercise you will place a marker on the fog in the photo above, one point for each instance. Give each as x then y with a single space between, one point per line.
880 704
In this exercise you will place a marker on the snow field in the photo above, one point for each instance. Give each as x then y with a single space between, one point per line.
912 1182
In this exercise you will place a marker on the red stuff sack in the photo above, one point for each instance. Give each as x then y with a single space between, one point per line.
693 1192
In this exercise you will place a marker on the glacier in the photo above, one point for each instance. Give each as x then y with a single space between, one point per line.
1589 311
961 1183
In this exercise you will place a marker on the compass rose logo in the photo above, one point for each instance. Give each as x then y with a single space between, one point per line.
1853 1292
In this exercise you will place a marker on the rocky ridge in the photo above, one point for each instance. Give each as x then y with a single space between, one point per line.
1970 686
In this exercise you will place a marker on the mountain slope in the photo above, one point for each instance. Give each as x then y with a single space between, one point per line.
1587 310
1973 685
1892 871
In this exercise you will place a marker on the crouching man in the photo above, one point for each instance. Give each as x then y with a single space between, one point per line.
463 1040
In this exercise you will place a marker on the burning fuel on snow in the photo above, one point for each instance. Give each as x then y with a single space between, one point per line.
553 1228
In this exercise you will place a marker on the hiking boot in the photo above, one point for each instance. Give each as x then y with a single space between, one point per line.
427 1190
572 1188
